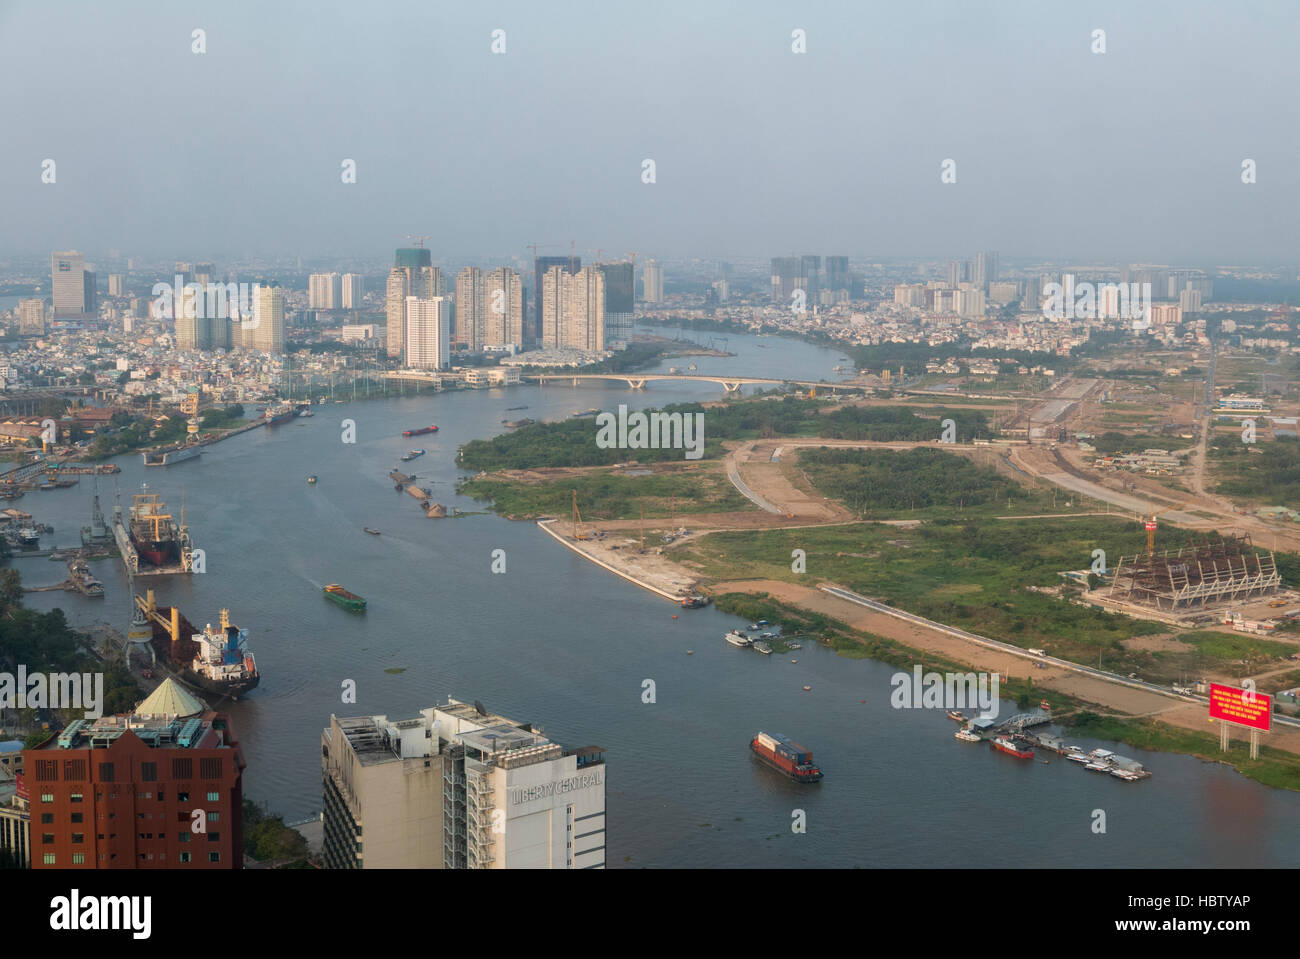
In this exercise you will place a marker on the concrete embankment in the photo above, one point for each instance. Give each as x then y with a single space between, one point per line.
668 588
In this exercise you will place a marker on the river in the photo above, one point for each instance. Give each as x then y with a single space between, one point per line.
557 641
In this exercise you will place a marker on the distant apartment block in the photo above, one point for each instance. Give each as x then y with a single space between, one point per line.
504 296
458 787
31 317
324 292
353 289
652 283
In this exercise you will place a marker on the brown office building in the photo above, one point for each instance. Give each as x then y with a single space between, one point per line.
155 789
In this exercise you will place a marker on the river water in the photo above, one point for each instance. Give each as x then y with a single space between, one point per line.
557 641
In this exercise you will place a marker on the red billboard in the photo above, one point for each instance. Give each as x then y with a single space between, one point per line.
1234 705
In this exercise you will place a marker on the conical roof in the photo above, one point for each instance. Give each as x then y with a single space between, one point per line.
170 699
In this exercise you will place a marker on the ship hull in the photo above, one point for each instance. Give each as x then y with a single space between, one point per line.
233 690
354 603
1012 751
156 554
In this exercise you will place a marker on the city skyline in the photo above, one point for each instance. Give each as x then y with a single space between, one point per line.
1030 173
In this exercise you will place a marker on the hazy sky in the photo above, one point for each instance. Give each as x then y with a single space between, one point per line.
1131 154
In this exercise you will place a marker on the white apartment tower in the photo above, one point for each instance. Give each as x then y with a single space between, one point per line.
428 333
353 290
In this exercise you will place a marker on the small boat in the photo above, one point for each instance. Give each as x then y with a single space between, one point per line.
737 638
957 715
1125 774
966 736
794 646
1077 757
762 647
371 530
311 480
807 689
347 600
1097 767
577 414
306 413
794 660
690 652
412 454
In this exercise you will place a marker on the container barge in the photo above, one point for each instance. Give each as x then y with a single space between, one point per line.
789 758
421 431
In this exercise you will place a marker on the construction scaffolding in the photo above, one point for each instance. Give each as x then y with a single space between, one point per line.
1196 576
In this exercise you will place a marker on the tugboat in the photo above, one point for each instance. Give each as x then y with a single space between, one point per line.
1013 746
786 757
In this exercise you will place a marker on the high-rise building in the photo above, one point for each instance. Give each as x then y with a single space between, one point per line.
116 284
324 292
551 307
785 280
413 274
1190 301
428 333
810 277
73 285
620 302
584 326
353 291
268 320
984 269
458 787
652 282
838 276
31 317
159 788
471 309
504 294
541 265
958 273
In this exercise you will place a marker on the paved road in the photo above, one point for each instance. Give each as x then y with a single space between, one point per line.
861 600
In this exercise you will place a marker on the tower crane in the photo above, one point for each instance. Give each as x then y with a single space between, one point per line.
419 239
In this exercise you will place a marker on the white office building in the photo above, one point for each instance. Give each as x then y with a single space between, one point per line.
459 787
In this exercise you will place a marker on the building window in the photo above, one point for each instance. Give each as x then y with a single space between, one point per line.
214 837
214 857
78 837
49 859
214 797
106 772
47 797
78 858
149 772
47 839
78 817
214 816
182 837
182 797
185 857
47 818
75 797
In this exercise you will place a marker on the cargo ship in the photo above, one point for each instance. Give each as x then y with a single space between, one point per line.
215 660
1013 746
280 413
775 750
153 531
170 455
421 431
347 600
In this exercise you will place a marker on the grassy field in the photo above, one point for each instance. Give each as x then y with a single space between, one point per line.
605 495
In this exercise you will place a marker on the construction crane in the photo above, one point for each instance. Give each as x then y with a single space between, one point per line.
1150 522
578 532
419 239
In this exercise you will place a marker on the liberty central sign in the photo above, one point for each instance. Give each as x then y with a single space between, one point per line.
557 788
